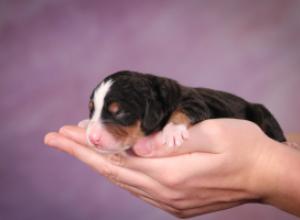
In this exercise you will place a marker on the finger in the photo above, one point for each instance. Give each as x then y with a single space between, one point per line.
208 209
84 123
131 189
190 212
109 167
200 139
142 194
159 205
148 166
159 194
171 170
77 150
75 133
151 171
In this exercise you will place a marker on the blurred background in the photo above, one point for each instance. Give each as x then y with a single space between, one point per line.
53 52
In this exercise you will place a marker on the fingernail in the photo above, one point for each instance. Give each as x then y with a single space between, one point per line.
64 130
49 139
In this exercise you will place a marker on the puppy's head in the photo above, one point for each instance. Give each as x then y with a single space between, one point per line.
124 107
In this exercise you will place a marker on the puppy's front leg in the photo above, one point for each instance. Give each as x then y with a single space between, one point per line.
176 130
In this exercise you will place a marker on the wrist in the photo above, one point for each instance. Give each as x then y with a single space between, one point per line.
278 177
260 174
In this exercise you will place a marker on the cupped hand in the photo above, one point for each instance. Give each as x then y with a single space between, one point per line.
223 164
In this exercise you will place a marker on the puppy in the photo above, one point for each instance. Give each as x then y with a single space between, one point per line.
129 105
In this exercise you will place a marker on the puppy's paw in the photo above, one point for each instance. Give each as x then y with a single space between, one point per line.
174 134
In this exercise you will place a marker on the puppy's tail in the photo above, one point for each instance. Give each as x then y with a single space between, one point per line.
260 115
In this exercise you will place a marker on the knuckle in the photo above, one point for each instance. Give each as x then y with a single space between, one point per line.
119 184
179 205
108 172
117 159
164 196
181 214
133 192
173 198
72 151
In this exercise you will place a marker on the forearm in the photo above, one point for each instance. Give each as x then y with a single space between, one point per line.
283 188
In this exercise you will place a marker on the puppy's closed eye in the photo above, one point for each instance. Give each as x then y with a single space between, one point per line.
116 110
114 107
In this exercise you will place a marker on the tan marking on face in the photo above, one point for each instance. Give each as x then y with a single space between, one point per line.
178 117
127 135
114 107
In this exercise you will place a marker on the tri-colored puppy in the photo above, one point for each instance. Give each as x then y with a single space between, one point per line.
128 105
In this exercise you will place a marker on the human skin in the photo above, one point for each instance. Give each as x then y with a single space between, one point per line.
224 163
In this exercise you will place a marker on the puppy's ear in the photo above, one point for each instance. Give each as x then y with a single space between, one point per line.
162 100
153 119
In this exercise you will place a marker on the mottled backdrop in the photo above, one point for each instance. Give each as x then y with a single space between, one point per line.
53 52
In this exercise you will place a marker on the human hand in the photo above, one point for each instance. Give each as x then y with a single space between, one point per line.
225 163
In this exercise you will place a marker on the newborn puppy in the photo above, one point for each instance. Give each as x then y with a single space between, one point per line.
128 105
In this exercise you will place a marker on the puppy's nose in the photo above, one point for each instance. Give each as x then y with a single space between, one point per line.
95 139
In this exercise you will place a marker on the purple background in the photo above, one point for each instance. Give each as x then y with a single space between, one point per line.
52 53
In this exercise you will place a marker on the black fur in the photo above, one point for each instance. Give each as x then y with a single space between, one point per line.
152 99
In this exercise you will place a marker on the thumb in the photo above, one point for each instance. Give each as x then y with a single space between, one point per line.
200 140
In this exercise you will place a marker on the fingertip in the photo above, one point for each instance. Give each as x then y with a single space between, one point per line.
49 138
62 130
66 129
70 130
143 148
152 146
83 124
